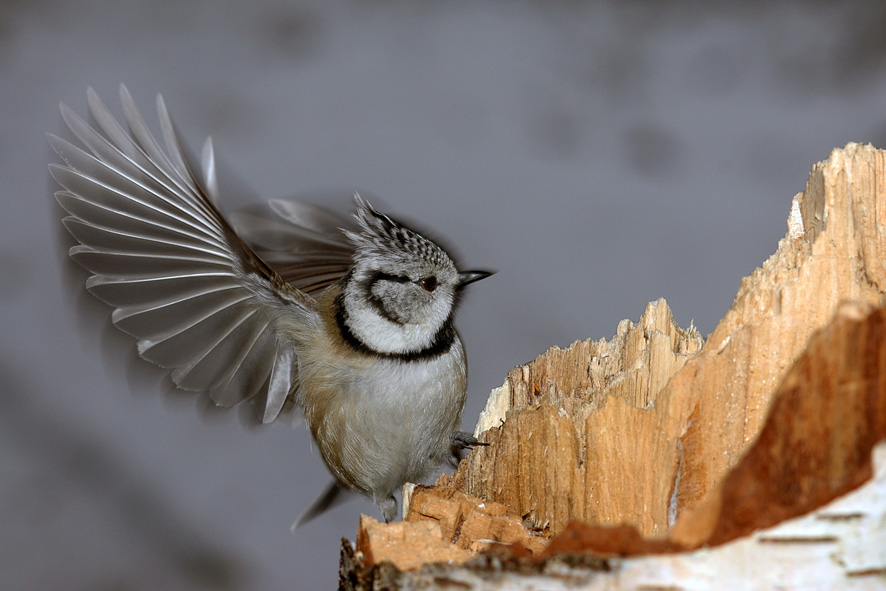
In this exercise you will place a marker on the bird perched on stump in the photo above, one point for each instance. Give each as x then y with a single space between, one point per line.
350 319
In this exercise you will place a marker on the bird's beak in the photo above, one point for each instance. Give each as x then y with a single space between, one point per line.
472 276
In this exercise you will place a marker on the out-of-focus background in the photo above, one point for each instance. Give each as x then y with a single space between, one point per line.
599 155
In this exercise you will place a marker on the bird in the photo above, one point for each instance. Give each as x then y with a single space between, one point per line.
348 319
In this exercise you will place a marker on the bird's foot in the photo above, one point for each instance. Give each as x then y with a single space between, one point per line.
388 507
461 440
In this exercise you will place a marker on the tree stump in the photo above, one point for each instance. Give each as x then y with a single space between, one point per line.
633 453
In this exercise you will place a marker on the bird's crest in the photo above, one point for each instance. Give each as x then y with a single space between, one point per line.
381 236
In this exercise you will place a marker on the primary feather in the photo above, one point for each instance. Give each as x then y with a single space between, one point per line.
200 301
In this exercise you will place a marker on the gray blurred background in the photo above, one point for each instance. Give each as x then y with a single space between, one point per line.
599 155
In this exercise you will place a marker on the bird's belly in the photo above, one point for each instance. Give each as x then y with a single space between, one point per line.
380 426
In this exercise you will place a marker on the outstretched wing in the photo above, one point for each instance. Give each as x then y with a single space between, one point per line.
180 280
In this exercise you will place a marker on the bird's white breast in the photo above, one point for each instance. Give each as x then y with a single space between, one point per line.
380 421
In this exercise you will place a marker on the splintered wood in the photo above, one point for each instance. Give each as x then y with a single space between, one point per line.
656 441
573 425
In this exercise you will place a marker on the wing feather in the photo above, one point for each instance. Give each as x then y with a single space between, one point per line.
136 241
120 293
208 366
304 243
168 348
197 298
242 373
279 385
165 318
113 190
100 214
128 265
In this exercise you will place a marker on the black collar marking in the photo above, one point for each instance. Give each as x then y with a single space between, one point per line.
439 346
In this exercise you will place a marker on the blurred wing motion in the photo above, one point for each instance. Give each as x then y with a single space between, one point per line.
198 299
303 243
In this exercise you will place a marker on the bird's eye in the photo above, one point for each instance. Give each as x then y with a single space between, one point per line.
429 283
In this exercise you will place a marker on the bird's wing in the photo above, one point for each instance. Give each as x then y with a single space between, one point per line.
180 280
302 242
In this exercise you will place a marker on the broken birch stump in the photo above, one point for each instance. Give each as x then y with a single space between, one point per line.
635 452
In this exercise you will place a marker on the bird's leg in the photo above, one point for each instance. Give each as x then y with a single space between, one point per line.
460 440
388 507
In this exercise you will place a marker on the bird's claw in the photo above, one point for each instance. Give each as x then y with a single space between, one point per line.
462 440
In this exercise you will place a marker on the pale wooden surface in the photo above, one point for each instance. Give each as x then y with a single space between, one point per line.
652 429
